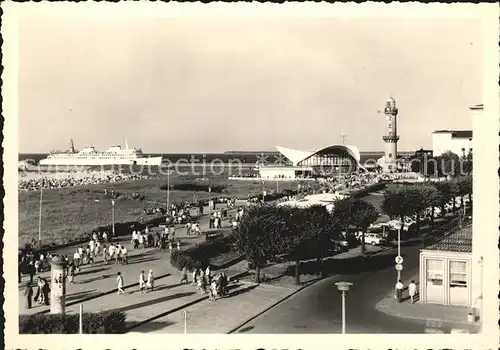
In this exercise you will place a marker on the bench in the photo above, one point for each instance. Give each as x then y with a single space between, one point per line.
212 235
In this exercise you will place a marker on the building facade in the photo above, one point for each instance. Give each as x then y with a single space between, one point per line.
446 271
456 141
328 161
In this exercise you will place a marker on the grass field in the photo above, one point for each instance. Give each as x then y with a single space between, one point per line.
68 213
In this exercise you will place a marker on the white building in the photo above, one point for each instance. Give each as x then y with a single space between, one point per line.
456 141
446 271
324 162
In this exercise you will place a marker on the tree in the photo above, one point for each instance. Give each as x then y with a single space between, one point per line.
323 229
429 197
357 212
465 187
447 191
258 236
448 163
399 202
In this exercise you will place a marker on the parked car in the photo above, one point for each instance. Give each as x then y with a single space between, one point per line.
348 243
374 239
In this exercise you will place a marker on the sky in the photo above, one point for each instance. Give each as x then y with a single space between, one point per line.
212 85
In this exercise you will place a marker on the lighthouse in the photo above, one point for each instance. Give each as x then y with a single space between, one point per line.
390 136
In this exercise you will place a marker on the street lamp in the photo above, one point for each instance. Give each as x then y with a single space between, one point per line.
113 216
343 287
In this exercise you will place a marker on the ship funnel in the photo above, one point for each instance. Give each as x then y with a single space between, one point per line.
126 143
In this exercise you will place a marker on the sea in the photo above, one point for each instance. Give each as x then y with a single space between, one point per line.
221 158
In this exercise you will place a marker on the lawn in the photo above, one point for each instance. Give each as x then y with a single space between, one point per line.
67 213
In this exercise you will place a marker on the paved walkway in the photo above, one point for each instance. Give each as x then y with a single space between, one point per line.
435 315
220 316
94 280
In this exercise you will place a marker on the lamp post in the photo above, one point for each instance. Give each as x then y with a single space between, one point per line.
343 287
40 216
113 216
399 250
168 190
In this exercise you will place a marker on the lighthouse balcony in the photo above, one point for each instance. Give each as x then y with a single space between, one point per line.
391 138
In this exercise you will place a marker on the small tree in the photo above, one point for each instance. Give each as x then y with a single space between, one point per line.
447 191
448 163
363 214
258 236
429 197
399 202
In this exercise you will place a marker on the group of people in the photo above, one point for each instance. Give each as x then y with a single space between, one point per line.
31 181
32 263
153 239
42 294
203 280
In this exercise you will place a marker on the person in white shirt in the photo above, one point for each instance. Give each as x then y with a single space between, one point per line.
111 251
124 253
76 259
412 290
119 283
150 281
142 282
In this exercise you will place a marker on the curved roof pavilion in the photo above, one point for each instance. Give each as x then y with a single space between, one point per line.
299 158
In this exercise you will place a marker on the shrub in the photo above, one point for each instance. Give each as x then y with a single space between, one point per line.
199 256
191 186
180 259
106 322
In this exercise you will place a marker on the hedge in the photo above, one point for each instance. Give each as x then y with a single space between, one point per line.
190 186
199 255
105 322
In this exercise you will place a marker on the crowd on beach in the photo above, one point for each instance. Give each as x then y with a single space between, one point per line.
35 181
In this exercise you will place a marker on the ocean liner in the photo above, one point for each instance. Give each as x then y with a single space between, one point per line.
89 156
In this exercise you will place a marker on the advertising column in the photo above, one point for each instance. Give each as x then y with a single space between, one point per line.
57 285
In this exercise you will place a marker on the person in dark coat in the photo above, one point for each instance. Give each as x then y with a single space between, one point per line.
45 291
31 270
28 295
38 294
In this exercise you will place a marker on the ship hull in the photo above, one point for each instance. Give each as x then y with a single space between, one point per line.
151 161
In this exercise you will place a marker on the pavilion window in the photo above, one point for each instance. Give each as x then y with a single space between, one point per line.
458 274
435 274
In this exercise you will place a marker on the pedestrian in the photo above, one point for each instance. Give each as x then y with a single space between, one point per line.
208 275
28 294
104 255
90 255
399 291
172 232
412 290
45 291
117 254
211 296
151 281
71 272
142 282
195 275
76 260
31 270
37 267
184 276
124 253
223 283
119 283
202 283
213 287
